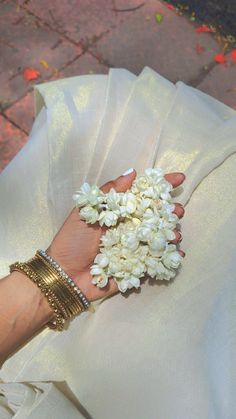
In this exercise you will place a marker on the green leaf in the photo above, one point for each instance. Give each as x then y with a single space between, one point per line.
159 17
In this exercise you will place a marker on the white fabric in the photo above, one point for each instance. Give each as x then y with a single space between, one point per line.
169 350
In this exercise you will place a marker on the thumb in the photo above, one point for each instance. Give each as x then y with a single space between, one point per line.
122 183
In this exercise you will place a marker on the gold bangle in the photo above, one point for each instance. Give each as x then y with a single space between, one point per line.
77 302
63 295
51 279
59 320
58 287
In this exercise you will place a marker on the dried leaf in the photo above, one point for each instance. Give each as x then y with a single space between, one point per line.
44 64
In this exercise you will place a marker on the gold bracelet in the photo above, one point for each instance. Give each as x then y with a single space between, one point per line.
62 298
59 319
58 287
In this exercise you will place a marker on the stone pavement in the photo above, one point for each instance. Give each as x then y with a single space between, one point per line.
67 38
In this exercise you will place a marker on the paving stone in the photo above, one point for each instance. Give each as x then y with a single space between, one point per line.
22 112
221 83
12 140
24 43
78 19
168 47
85 64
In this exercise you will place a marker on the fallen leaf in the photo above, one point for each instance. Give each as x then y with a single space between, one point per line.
55 72
44 63
233 89
220 58
159 18
233 55
30 73
170 6
204 28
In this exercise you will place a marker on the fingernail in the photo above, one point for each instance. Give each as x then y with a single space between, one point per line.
128 172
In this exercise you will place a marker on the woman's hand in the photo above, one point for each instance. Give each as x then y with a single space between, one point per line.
76 244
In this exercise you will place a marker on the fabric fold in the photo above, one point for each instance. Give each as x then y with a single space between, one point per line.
171 344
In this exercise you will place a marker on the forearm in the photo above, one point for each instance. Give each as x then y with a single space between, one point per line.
23 311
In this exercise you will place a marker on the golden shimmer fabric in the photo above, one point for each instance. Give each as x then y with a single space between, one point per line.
167 351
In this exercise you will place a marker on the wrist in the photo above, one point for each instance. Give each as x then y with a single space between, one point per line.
31 296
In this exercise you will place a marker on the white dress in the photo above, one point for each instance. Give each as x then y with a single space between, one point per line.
167 352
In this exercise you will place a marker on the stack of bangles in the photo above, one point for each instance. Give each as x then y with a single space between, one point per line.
63 295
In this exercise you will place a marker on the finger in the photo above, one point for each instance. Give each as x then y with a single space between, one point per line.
175 178
120 184
179 210
182 253
178 237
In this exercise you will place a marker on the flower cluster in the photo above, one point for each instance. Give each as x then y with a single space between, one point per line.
141 223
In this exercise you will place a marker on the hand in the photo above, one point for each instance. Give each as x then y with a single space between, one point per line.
76 244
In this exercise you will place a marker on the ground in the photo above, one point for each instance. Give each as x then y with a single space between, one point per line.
65 38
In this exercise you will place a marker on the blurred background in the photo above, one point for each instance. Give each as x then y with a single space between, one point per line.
41 40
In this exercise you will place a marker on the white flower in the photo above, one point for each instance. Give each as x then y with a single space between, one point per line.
100 280
87 194
138 269
144 232
142 205
128 204
167 207
149 193
102 260
168 234
141 224
156 174
172 259
142 183
111 238
89 214
168 221
130 240
109 218
114 266
134 282
154 266
113 199
157 241
163 189
123 285
151 217
96 270
142 252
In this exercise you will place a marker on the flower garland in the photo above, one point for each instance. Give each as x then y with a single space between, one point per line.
141 224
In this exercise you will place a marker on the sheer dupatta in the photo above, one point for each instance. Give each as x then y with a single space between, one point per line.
171 344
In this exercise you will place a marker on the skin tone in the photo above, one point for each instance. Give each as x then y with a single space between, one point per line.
24 310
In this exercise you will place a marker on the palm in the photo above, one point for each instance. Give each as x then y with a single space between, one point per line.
76 244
